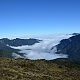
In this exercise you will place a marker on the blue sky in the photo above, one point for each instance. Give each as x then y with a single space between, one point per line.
36 17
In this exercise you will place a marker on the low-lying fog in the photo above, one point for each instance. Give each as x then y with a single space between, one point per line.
43 50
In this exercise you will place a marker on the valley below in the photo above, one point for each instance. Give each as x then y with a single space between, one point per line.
41 58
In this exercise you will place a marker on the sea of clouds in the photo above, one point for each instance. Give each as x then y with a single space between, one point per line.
43 50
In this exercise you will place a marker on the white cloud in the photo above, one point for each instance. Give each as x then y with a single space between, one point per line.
16 55
43 50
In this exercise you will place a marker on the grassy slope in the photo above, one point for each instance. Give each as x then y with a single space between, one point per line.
11 69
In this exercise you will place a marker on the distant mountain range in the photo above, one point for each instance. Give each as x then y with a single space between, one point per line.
70 46
18 42
5 43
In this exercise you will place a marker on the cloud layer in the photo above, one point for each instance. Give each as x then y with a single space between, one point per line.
43 50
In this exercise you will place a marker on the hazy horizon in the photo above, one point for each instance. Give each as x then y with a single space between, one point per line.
38 36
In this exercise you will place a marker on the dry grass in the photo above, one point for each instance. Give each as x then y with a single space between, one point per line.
11 69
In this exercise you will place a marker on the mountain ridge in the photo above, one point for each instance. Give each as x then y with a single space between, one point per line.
6 50
18 42
70 47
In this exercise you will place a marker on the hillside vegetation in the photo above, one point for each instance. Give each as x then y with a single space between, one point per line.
19 69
